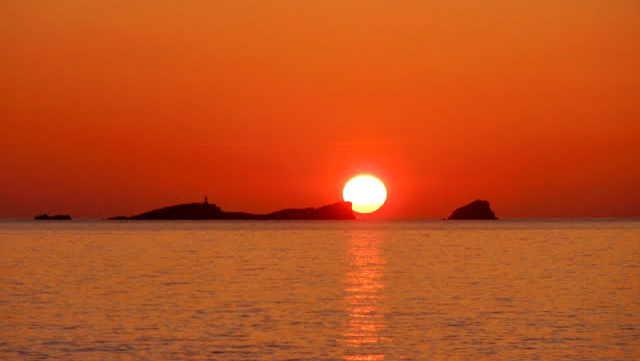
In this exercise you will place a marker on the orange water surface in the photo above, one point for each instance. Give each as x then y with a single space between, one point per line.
361 290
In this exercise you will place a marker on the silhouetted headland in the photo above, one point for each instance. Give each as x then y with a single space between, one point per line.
477 209
204 211
57 217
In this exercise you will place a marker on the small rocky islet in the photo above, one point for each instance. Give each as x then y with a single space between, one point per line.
57 217
478 209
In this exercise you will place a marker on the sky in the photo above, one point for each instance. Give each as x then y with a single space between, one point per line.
111 107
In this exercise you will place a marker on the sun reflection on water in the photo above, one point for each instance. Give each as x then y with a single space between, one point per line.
364 294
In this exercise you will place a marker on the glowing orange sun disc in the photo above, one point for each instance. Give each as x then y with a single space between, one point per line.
366 193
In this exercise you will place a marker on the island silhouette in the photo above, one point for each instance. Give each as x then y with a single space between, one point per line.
57 217
478 209
210 211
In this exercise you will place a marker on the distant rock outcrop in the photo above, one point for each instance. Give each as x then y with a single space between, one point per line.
204 211
477 209
58 217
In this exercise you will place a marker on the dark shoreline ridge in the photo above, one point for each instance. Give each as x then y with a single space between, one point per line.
57 217
477 209
205 211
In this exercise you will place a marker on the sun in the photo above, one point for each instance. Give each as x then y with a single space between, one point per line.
365 192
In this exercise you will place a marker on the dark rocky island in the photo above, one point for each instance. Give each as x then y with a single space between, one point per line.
477 209
118 218
205 211
58 217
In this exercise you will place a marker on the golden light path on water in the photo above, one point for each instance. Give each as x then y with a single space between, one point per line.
364 288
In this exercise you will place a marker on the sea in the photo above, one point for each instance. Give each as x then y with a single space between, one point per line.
320 290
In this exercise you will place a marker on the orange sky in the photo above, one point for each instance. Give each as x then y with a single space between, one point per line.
116 107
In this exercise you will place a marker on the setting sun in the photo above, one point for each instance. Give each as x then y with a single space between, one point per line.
367 193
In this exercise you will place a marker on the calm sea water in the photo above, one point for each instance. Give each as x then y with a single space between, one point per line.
320 290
